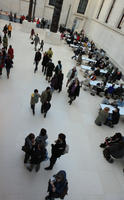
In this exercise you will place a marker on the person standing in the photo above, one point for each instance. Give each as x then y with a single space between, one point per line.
42 138
60 80
71 75
8 65
9 30
1 62
57 186
58 150
38 155
37 60
11 52
5 41
41 45
28 146
34 99
36 41
44 62
45 100
73 90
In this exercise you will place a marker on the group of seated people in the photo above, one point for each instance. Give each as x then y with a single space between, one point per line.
113 147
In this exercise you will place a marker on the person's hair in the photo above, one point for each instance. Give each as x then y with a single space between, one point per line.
61 175
59 61
62 136
10 46
31 136
118 135
48 88
106 109
43 132
35 91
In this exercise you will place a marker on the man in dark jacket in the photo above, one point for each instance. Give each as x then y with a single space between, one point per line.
8 65
37 60
58 67
116 151
45 100
57 150
49 72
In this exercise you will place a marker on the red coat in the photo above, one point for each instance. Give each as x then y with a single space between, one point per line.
11 53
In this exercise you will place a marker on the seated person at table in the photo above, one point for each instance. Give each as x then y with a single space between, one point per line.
110 90
102 116
120 102
99 89
97 72
106 100
118 91
114 151
117 137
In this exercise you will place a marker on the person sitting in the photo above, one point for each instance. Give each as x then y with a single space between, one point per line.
99 89
102 116
110 90
118 91
57 186
106 100
120 102
117 137
97 72
114 151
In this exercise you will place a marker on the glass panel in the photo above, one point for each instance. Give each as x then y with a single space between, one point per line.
82 6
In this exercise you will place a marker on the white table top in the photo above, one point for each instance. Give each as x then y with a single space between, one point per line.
112 108
115 86
94 83
85 67
88 59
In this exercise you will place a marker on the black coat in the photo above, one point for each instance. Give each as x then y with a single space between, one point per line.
60 79
58 149
76 91
50 67
115 117
38 155
45 60
37 56
8 63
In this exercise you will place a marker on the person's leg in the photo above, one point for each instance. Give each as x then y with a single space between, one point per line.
33 108
30 168
107 156
36 65
27 156
42 108
7 72
52 162
37 167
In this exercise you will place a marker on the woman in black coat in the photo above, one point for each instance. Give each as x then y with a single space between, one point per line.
57 150
60 80
9 65
73 90
44 62
115 116
49 71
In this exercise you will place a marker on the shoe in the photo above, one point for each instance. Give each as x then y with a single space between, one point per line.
110 160
47 198
48 168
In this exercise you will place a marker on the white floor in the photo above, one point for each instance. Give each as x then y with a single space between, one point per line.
90 176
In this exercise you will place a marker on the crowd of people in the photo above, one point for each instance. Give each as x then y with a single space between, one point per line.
6 53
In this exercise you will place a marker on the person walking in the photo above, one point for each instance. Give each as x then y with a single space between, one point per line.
37 59
9 30
11 52
58 67
28 146
73 90
44 62
8 65
36 41
50 53
41 45
60 80
49 70
71 75
5 41
38 155
58 150
34 99
45 100
32 34
57 186
1 62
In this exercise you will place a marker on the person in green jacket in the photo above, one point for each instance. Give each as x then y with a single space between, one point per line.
34 99
102 116
5 42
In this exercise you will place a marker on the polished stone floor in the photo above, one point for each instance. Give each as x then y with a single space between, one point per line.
90 177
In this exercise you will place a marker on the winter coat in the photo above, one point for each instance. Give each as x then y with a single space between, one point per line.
8 63
34 99
5 41
28 145
50 68
116 150
38 155
115 117
45 96
50 53
58 148
11 53
45 60
54 82
9 28
36 40
60 79
1 61
69 75
102 117
74 93
58 68
37 56
41 139
61 187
